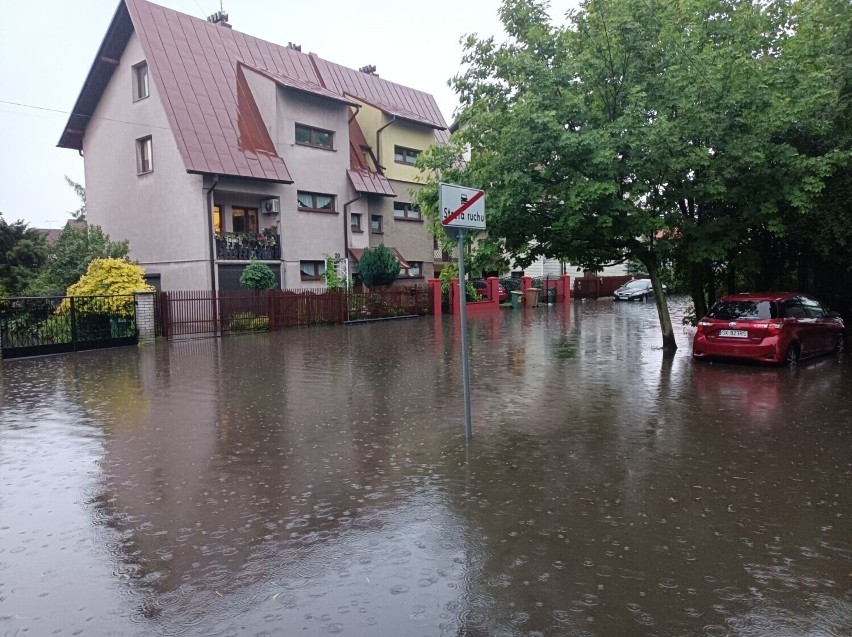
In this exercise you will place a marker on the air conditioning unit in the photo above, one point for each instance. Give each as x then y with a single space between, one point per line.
271 206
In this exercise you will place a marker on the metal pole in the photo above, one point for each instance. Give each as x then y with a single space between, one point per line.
468 428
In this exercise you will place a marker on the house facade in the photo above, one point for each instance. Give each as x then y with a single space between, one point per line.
206 148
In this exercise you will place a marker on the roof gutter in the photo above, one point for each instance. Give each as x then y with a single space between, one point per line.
378 147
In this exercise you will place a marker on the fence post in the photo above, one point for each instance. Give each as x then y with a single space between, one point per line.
566 288
73 317
145 316
455 303
435 288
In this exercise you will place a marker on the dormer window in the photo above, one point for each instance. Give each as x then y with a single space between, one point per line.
140 81
316 137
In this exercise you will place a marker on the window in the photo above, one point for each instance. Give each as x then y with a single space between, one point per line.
406 211
813 307
415 269
376 224
355 221
217 219
308 136
144 155
405 155
312 270
245 219
315 202
140 81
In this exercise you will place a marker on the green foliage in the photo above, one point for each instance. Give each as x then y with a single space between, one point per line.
248 322
80 191
23 251
378 266
70 256
446 276
257 276
110 277
332 278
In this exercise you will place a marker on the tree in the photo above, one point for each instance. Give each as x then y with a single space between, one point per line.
257 276
70 256
80 191
23 251
116 278
644 130
378 266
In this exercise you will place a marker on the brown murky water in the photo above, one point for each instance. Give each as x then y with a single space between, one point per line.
317 481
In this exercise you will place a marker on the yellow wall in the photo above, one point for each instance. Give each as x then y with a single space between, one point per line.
399 133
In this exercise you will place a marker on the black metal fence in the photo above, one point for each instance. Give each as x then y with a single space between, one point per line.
31 326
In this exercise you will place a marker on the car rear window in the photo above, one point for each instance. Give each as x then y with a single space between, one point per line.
638 284
743 310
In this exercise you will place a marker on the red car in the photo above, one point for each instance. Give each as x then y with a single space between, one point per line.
481 286
774 327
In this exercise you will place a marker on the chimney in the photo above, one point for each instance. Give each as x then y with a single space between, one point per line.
370 69
220 18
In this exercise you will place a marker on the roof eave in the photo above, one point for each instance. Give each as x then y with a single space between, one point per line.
111 49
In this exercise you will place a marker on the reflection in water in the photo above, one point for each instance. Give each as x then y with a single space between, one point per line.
318 481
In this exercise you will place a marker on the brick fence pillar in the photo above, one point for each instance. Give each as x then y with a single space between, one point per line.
566 288
435 288
145 319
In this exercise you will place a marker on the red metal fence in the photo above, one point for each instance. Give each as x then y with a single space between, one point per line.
202 313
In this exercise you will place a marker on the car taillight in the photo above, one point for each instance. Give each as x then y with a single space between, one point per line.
703 325
774 329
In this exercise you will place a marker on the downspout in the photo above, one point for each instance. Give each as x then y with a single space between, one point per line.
212 238
346 224
378 147
355 114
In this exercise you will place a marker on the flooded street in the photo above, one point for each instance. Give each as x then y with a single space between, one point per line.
317 481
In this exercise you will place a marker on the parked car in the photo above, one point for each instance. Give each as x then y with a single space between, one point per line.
775 327
635 290
481 286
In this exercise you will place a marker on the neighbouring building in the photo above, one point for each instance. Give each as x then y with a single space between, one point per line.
206 148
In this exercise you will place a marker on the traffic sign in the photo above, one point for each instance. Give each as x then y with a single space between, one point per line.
462 207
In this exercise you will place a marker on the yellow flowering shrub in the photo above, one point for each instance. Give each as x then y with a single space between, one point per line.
114 278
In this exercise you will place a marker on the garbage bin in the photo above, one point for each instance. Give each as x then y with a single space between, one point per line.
531 297
517 299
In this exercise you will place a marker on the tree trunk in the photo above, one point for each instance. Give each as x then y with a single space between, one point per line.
669 344
696 289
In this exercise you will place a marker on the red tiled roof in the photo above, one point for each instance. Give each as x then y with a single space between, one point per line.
197 67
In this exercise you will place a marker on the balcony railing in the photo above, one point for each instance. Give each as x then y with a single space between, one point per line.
244 246
442 256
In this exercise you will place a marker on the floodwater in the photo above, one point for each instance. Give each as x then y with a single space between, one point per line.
317 481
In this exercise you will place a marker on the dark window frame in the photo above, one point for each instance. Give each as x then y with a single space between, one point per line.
246 210
140 72
141 143
380 229
409 155
352 225
313 132
411 267
314 195
410 212
312 277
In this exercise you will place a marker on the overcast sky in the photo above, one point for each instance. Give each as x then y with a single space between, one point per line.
47 48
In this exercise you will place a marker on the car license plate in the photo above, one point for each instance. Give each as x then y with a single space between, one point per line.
734 333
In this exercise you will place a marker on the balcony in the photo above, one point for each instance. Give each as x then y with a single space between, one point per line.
245 246
442 256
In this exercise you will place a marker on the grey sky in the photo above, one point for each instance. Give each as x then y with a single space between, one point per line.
47 48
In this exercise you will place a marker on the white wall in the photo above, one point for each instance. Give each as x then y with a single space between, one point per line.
161 213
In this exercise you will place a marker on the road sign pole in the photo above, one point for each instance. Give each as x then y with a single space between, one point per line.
468 427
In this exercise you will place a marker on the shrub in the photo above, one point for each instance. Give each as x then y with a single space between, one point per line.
248 322
257 276
116 278
378 266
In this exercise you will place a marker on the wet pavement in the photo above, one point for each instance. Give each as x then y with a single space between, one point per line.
317 481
